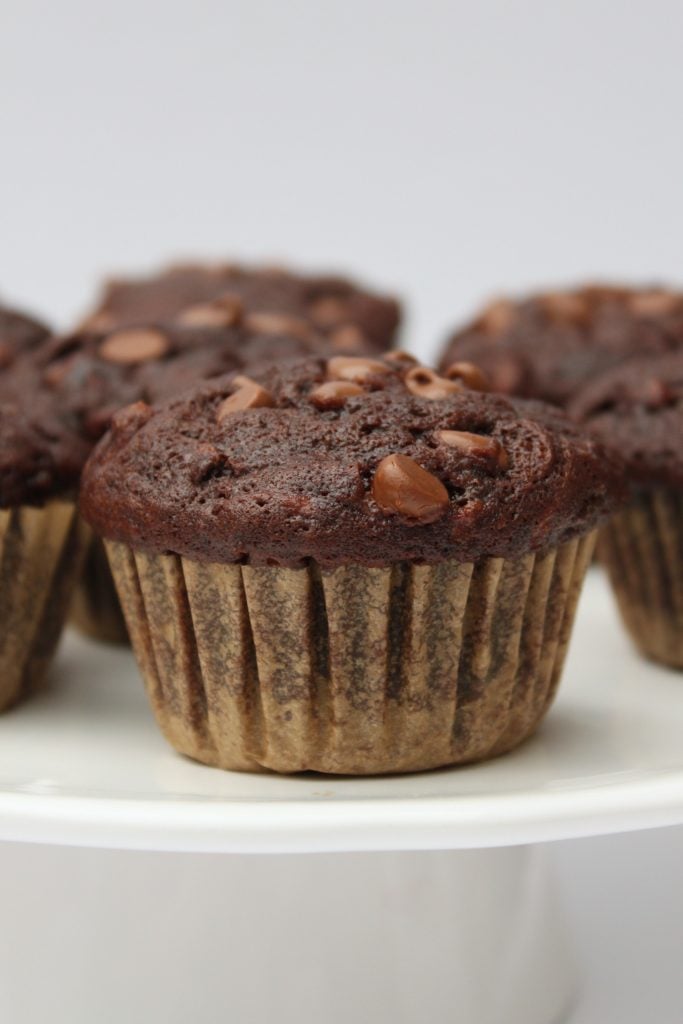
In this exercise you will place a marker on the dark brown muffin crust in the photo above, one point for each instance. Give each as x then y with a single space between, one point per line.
548 346
345 461
41 455
349 316
59 395
95 374
638 409
18 333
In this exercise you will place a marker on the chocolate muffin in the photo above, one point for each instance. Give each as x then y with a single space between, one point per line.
98 373
350 317
18 334
347 565
638 409
41 537
550 345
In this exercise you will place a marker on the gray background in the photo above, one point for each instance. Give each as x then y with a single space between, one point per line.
448 150
445 149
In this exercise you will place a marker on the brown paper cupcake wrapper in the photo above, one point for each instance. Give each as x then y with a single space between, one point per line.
642 550
96 609
351 671
40 557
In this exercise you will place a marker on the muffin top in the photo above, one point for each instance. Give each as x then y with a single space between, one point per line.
638 409
349 316
95 374
18 333
346 460
549 346
41 455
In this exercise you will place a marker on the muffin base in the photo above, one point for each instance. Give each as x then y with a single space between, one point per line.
96 609
354 670
40 558
642 551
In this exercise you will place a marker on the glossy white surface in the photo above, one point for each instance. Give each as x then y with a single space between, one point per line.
83 763
440 937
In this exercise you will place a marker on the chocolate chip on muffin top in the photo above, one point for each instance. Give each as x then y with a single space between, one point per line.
95 374
638 409
345 461
203 295
59 394
550 345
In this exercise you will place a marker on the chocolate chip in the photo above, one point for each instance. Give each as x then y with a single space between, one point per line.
333 393
327 312
208 464
658 394
426 383
477 445
98 323
132 417
349 338
355 368
401 485
402 360
223 312
566 307
507 373
470 375
55 374
6 355
498 316
656 302
249 395
278 323
134 345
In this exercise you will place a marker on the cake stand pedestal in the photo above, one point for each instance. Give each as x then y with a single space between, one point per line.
409 899
439 936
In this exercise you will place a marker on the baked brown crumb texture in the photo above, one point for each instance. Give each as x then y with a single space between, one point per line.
552 344
350 316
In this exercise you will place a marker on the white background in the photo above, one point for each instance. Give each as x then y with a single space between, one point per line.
448 150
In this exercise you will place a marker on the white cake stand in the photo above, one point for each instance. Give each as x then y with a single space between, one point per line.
463 928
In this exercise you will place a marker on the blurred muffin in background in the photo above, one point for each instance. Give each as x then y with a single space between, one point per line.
637 409
350 317
18 334
551 344
42 539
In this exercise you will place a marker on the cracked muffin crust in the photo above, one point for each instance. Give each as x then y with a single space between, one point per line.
97 373
550 345
346 460
351 317
638 409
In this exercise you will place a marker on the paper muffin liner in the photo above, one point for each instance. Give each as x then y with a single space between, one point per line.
40 557
353 670
96 609
642 550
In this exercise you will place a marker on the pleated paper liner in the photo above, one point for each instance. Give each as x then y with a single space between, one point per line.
350 671
40 558
96 609
642 551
